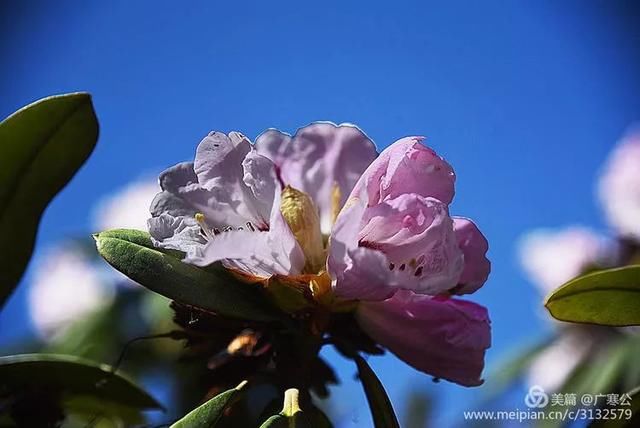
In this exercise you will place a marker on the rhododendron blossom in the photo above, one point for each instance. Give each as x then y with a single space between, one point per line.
553 257
322 207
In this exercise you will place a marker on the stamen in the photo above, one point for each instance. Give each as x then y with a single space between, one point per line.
206 231
418 271
392 266
403 266
250 226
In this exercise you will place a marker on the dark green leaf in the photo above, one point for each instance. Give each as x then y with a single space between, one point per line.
379 403
623 422
41 147
132 253
608 297
210 414
72 376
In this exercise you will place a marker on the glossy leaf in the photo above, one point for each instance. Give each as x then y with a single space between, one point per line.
211 413
41 147
72 376
608 297
379 403
132 253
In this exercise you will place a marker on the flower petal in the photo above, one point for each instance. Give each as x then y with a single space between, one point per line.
317 158
416 234
407 166
260 253
178 233
445 338
227 169
181 194
474 247
357 272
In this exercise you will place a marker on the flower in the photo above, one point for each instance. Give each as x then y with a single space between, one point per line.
127 207
66 287
551 258
225 207
619 186
322 160
262 210
395 248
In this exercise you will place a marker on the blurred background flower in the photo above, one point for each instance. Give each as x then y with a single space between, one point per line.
552 257
67 287
127 207
514 94
69 283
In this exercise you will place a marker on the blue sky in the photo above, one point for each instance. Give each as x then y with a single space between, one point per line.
524 99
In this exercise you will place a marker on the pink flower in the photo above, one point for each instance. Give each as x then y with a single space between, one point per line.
262 210
395 233
443 337
319 159
619 187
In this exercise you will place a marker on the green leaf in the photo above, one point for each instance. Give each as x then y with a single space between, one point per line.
41 147
72 376
210 414
379 403
602 373
132 253
512 367
608 297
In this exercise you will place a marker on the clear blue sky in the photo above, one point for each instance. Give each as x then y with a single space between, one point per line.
524 98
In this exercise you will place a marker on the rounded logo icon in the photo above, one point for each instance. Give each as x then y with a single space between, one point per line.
536 397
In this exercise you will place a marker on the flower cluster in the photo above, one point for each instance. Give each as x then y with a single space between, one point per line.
372 232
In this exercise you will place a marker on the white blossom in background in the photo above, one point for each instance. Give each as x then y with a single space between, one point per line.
619 187
126 208
552 257
66 287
